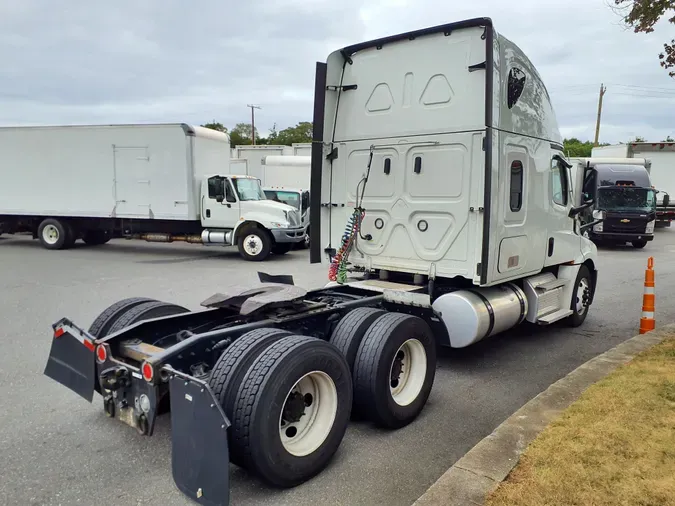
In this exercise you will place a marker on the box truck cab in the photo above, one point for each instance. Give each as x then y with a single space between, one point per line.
296 198
235 210
623 197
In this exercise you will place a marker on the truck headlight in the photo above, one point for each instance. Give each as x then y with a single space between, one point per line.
650 227
279 224
597 227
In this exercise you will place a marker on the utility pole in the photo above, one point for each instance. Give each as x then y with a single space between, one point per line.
253 108
603 89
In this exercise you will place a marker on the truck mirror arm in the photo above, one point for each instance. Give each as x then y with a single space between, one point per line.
576 210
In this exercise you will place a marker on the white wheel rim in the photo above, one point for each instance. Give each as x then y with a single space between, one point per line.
302 434
408 371
582 291
253 245
50 234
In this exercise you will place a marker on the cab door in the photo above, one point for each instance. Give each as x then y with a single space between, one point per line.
563 242
220 206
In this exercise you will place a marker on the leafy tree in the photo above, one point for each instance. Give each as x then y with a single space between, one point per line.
669 139
215 126
642 15
241 135
638 139
302 132
576 148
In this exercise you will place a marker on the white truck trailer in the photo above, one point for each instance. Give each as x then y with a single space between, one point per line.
160 183
661 156
442 206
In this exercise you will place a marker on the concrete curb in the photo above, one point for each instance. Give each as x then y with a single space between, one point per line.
486 465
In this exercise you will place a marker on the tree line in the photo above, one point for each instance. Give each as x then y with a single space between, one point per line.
582 149
242 134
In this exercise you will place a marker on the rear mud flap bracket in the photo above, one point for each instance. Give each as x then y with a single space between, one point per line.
200 460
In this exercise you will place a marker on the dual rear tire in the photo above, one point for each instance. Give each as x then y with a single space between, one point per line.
289 400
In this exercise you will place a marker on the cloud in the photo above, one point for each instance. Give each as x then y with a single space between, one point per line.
177 61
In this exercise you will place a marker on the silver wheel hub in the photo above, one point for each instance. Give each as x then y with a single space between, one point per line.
253 245
308 413
50 234
408 372
582 296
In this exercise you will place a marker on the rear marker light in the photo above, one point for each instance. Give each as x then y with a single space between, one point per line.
59 332
89 344
101 353
147 371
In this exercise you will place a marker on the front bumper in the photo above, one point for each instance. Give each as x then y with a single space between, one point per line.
626 237
288 234
200 454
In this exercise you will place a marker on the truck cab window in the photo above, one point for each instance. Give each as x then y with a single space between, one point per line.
559 183
305 201
229 192
516 199
216 187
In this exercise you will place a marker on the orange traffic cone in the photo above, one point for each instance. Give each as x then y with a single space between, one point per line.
647 321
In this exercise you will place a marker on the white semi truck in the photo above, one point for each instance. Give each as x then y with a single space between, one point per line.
443 209
159 183
661 156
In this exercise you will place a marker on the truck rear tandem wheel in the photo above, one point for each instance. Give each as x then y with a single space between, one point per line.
268 378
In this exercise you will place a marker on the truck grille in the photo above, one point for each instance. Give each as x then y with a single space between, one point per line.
635 225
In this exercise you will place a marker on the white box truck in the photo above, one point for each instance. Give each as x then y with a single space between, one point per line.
160 183
442 205
661 156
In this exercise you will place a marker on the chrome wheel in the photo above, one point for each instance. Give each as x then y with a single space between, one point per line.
308 414
408 371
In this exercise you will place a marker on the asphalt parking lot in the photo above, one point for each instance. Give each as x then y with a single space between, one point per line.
55 448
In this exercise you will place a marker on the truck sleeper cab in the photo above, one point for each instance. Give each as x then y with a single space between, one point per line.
443 218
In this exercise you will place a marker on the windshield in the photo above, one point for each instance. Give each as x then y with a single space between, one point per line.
290 198
626 199
248 189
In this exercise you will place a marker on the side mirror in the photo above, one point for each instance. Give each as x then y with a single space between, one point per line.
220 198
666 200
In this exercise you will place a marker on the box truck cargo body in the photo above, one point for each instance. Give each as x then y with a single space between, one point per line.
155 182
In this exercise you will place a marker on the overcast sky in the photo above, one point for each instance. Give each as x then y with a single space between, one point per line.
178 61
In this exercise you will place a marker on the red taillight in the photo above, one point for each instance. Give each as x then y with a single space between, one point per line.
147 371
101 353
59 332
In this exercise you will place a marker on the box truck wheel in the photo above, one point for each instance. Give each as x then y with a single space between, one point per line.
581 294
639 244
349 332
54 234
146 311
254 244
292 410
232 366
394 370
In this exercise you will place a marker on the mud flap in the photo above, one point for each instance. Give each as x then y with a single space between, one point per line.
71 360
200 459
